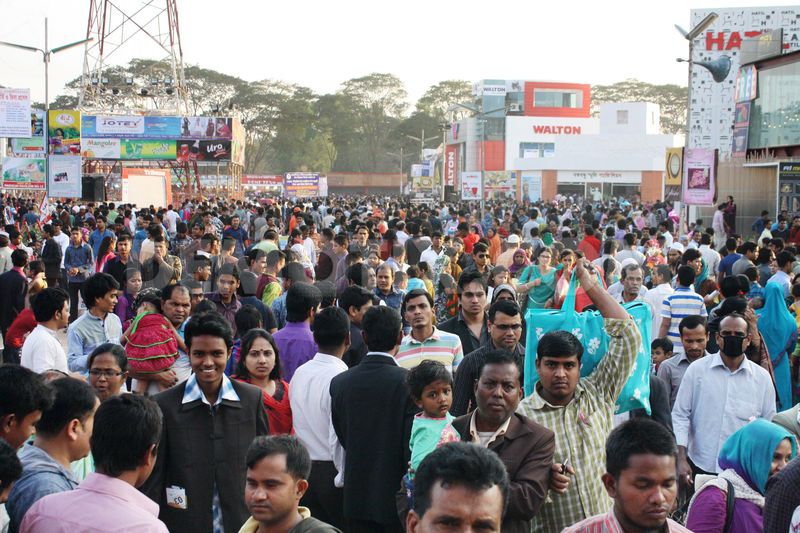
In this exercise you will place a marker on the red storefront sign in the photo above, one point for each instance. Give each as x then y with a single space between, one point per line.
450 165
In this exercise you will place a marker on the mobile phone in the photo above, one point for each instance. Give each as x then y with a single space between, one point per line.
564 466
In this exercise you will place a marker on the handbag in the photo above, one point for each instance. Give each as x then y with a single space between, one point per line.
589 328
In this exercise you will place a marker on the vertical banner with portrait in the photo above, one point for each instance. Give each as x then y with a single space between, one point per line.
471 188
531 186
699 176
64 177
64 132
32 146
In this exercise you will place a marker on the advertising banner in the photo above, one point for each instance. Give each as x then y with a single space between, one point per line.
262 180
15 112
301 184
64 179
101 148
214 151
206 128
24 173
147 186
130 126
135 149
741 129
64 132
746 84
450 165
673 175
699 176
531 186
323 186
238 142
471 186
32 146
499 183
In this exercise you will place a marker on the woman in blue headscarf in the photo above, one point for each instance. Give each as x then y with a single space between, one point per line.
779 330
748 458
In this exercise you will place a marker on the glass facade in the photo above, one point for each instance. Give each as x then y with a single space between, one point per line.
557 98
775 114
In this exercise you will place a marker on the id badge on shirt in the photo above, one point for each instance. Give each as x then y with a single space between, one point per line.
176 497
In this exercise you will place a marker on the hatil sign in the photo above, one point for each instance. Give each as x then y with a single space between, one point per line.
119 125
718 40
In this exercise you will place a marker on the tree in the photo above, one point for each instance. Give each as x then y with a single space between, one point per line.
672 100
438 98
378 102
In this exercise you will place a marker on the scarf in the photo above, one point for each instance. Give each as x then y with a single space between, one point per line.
741 490
515 268
749 450
775 323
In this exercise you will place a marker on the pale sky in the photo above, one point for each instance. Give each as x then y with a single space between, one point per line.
320 44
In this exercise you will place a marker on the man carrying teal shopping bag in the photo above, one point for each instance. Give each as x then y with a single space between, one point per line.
580 410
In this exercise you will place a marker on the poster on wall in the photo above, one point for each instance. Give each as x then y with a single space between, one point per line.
699 176
499 183
64 132
301 185
531 186
32 146
15 112
673 175
23 173
471 186
64 177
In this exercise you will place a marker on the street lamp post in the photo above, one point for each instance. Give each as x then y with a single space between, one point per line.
46 53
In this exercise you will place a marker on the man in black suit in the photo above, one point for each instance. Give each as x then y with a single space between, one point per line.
13 288
372 414
209 423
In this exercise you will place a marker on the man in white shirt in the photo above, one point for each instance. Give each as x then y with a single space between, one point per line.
663 230
434 251
171 218
710 256
61 238
311 414
785 260
42 350
662 276
630 251
402 236
718 395
718 225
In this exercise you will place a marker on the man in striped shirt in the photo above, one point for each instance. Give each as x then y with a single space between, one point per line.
426 341
680 304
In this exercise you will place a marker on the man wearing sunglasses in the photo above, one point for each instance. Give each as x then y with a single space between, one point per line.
505 330
480 261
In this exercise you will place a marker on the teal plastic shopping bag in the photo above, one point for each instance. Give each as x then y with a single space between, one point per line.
589 329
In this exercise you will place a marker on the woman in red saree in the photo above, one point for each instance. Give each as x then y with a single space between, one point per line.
259 365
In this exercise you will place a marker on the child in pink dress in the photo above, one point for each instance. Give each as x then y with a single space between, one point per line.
151 341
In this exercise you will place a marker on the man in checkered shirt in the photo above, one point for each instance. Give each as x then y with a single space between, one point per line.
580 410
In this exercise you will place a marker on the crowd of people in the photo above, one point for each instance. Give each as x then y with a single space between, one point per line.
358 364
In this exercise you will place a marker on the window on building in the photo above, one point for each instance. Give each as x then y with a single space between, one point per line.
558 98
775 114
622 116
536 150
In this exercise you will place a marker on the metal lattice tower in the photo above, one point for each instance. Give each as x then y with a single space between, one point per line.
121 30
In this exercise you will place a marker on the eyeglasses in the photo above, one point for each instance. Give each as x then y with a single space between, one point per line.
96 372
506 327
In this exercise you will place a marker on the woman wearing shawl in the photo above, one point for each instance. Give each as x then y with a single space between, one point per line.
539 281
748 458
779 331
519 262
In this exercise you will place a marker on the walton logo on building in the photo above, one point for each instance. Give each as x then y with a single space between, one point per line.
557 130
